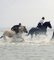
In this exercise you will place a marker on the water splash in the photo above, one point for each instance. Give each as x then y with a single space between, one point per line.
39 39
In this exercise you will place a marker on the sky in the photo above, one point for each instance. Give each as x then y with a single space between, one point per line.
27 12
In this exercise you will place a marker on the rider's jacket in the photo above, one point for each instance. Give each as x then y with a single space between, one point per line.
41 21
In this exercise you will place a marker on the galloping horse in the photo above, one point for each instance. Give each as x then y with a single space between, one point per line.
11 33
41 30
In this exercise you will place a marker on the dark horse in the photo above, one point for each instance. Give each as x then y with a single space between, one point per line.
41 30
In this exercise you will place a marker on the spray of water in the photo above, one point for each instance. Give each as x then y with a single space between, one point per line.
39 39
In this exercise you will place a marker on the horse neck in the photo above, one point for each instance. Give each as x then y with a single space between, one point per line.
22 29
45 26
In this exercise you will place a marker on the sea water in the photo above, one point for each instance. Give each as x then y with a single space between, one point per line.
38 48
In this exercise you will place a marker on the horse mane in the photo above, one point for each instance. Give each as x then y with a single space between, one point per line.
47 22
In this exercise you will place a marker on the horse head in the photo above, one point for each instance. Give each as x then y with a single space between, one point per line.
23 29
47 24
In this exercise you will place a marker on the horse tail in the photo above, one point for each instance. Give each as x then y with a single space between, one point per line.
1 37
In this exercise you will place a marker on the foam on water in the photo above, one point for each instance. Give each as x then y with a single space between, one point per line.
39 39
38 48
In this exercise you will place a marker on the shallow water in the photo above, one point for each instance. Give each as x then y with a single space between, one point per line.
26 52
37 48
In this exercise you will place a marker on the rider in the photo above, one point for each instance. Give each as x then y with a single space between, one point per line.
41 22
16 28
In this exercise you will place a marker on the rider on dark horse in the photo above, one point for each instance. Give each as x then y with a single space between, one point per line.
41 23
16 28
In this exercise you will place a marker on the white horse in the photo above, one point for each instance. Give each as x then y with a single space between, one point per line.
12 34
8 33
22 30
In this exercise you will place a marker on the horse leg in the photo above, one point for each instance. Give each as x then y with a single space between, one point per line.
18 36
31 36
21 38
52 36
36 34
4 37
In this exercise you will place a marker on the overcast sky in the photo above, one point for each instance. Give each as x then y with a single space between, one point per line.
28 12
